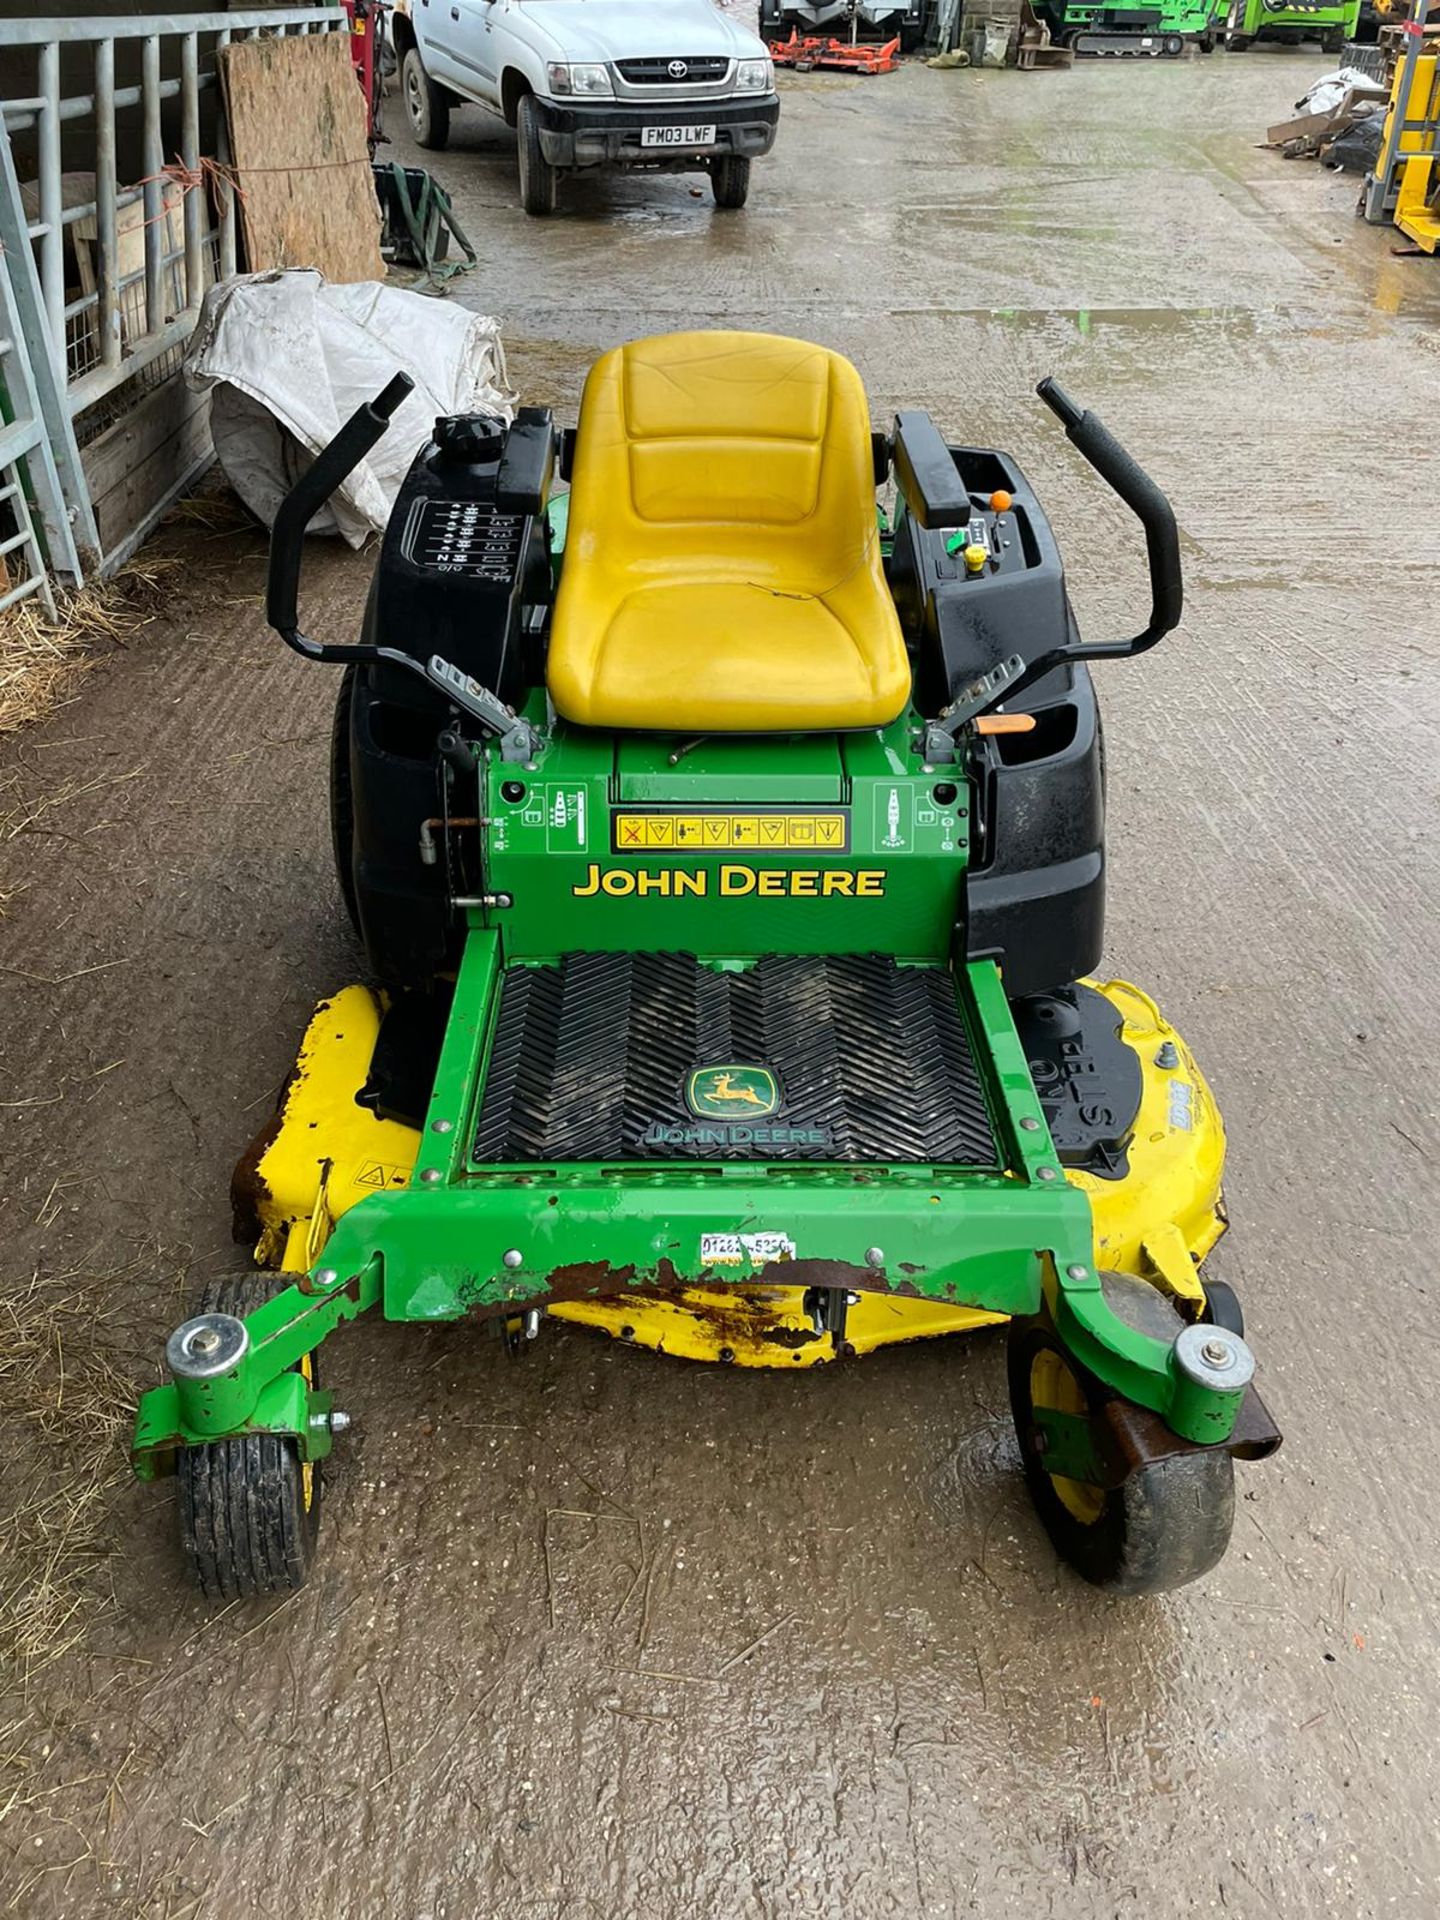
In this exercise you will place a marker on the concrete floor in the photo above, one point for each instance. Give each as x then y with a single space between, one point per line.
932 1718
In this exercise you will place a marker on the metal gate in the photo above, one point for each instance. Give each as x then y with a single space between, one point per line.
110 120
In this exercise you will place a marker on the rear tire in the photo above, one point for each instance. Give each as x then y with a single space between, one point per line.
427 105
249 1508
730 180
342 802
1333 41
538 179
1168 1524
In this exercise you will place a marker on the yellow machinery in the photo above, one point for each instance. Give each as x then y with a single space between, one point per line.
1417 205
1405 178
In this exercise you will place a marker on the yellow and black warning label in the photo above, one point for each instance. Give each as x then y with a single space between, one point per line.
377 1175
815 830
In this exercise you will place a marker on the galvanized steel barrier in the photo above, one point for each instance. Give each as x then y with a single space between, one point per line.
76 362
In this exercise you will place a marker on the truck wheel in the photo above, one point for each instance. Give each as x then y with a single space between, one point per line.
1333 40
538 179
730 179
427 105
249 1508
1166 1525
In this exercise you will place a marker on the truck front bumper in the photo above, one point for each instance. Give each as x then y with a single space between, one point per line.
604 133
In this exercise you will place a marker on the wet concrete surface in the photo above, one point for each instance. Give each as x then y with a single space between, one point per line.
808 1654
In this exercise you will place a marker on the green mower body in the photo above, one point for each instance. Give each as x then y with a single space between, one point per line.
765 1045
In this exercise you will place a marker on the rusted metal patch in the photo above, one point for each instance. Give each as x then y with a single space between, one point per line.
1128 1437
250 1193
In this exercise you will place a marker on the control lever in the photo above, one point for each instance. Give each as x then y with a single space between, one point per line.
1120 471
468 693
333 464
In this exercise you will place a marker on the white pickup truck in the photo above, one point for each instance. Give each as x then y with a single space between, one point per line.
670 85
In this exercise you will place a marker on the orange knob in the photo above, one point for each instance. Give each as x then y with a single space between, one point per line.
1000 500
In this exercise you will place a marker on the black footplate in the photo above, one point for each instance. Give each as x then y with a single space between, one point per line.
651 1056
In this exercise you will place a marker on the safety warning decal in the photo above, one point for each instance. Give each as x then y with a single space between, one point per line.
377 1176
825 830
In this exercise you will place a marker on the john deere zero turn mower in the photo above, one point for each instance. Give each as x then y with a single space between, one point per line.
730 862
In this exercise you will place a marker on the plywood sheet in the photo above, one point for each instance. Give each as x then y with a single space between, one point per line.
297 142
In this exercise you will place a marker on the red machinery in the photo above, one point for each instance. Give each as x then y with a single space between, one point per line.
815 50
367 37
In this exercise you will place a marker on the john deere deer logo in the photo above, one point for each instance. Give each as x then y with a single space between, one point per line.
727 1093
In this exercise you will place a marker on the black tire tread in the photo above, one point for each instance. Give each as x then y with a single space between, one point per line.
1222 1307
437 101
538 179
730 180
342 799
244 1528
1167 1525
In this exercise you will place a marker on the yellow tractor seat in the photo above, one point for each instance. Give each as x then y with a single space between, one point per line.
722 565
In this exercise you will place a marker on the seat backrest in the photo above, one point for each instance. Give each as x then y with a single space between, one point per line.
731 453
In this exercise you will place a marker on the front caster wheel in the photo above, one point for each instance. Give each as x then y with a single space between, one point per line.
250 1507
1166 1525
